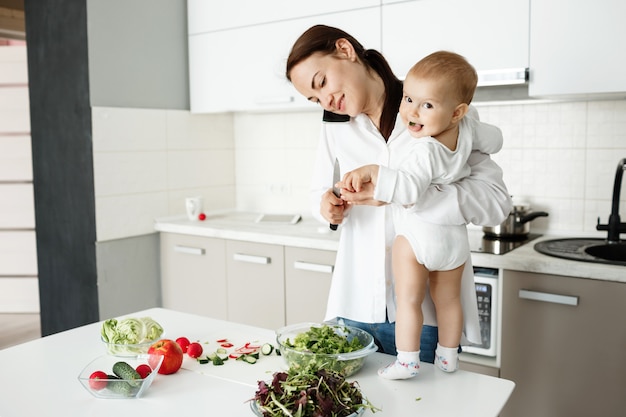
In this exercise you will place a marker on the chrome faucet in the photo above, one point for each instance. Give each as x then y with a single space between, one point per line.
615 226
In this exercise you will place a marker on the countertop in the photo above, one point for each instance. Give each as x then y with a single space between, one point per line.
42 378
309 233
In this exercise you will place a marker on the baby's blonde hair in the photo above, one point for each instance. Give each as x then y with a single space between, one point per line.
450 67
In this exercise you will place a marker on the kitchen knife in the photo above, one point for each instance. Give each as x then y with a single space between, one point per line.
336 191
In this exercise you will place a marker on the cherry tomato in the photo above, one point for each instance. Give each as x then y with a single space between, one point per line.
98 380
143 370
183 342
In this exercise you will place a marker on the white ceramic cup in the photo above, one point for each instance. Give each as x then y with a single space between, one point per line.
193 206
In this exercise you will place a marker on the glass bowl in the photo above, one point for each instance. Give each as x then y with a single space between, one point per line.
345 364
113 387
128 350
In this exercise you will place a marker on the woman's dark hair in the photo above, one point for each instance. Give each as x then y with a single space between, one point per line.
321 38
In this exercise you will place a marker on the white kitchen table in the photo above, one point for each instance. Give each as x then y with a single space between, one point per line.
39 378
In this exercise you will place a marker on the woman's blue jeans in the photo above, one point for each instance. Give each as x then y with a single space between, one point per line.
385 337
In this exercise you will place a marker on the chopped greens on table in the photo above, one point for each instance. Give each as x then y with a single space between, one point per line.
310 392
324 339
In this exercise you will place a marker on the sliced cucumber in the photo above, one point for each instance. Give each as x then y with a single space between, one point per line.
249 359
267 349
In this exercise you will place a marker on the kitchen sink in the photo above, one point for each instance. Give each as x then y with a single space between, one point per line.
585 249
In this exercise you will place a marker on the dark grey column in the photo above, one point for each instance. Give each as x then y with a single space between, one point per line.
58 71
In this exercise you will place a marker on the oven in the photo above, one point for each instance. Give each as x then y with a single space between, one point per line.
486 282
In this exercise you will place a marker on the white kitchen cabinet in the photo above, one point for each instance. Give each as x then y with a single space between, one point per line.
576 48
208 16
563 342
308 273
243 69
256 284
193 274
490 34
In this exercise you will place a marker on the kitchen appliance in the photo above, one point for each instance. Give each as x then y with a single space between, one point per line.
482 243
486 282
517 224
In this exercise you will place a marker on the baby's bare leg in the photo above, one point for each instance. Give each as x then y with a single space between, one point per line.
410 282
445 290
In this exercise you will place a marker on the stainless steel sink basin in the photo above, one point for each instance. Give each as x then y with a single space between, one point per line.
587 250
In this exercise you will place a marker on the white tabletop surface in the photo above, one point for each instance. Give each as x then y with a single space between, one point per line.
40 378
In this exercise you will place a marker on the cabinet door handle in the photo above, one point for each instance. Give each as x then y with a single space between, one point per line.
253 259
569 300
308 266
189 250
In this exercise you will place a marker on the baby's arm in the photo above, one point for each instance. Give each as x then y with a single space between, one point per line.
486 138
353 181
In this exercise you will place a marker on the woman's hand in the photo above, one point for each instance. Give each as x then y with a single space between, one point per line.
333 208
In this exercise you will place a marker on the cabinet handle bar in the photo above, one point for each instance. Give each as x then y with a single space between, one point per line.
308 266
569 300
189 250
253 259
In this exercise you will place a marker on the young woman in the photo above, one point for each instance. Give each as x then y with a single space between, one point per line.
328 66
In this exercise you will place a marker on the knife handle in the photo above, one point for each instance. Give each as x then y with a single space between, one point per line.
333 227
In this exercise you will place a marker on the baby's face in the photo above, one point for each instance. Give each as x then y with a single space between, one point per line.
427 106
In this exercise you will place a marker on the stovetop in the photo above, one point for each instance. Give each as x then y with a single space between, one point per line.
498 246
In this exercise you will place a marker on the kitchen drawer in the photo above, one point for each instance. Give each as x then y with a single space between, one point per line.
308 273
17 206
256 285
18 253
193 274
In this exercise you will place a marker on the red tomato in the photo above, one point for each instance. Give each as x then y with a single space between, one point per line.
98 380
143 370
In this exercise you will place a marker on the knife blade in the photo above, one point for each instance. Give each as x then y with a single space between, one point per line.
336 191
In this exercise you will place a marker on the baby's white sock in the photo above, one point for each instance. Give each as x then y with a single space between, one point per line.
447 359
406 366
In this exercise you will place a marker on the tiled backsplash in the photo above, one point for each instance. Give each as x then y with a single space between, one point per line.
558 156
147 161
